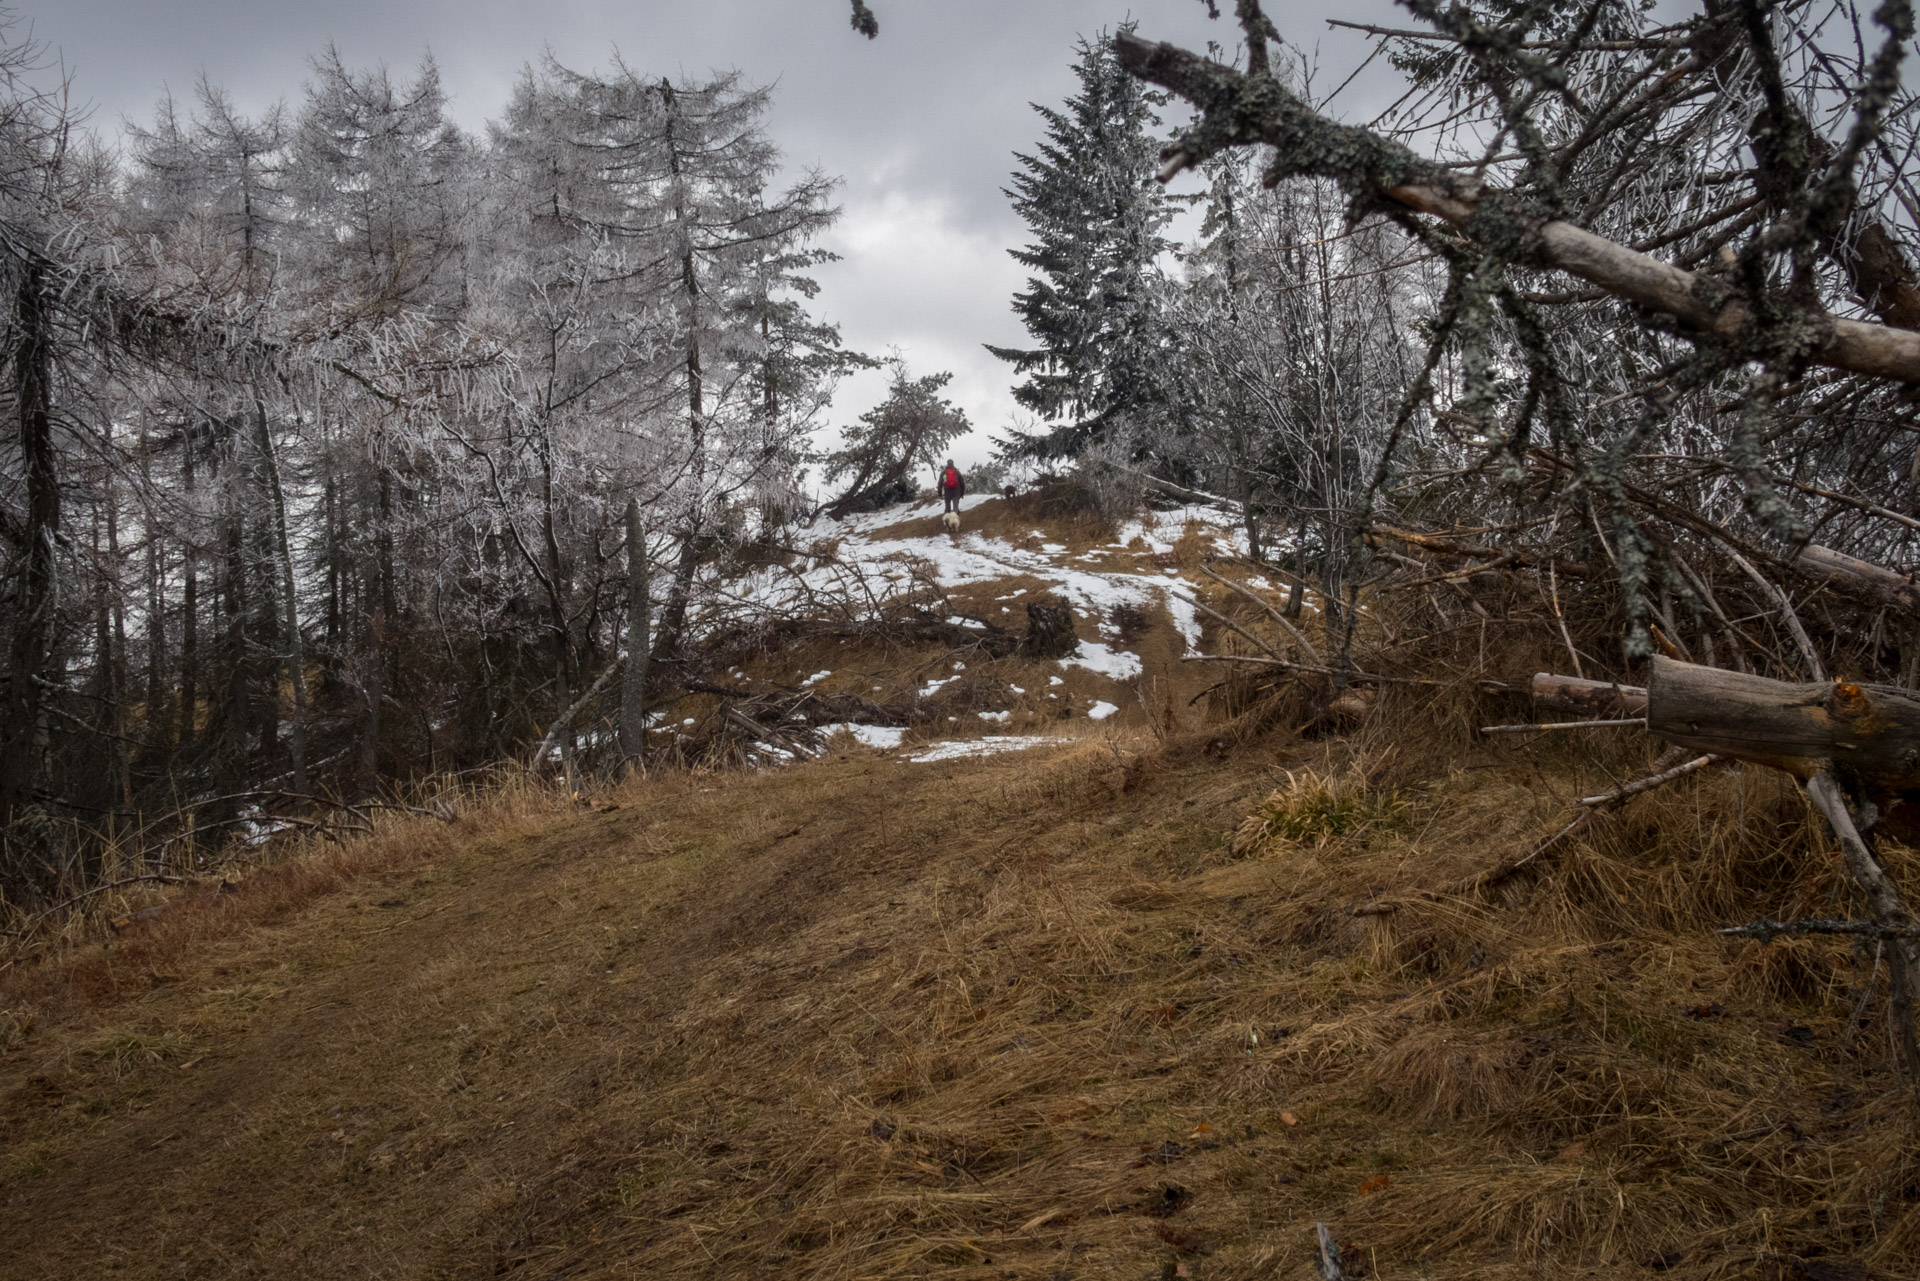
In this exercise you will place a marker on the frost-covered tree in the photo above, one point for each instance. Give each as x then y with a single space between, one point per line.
904 434
1094 304
347 442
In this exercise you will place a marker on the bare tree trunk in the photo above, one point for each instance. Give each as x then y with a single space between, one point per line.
31 646
1872 732
633 692
189 613
673 620
159 737
234 603
115 713
295 648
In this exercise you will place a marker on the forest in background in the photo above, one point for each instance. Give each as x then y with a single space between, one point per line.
349 447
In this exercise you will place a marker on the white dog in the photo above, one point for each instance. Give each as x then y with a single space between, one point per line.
951 520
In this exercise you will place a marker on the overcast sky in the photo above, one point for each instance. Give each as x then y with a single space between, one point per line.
921 124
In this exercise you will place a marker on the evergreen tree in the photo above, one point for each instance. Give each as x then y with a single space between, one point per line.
1093 306
909 431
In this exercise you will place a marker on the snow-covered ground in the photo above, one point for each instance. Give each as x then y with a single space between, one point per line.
868 550
869 558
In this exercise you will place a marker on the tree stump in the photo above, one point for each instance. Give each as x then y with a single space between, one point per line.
1050 632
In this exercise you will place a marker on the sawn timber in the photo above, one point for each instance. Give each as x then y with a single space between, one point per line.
1869 733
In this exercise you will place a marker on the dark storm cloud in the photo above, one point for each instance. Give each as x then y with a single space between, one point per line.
921 124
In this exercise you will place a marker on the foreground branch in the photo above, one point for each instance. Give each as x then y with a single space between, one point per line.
1240 110
1767 931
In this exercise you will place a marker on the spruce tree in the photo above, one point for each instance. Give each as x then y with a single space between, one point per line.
1093 306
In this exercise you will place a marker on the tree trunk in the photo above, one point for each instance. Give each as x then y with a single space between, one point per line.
673 620
1870 732
189 614
31 644
233 600
633 692
295 648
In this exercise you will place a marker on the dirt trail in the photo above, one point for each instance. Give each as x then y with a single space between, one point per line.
1095 1010
421 1074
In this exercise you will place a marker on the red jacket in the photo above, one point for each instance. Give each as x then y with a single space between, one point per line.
951 482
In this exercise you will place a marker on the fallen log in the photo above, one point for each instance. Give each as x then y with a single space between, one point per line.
1592 698
1880 585
1871 732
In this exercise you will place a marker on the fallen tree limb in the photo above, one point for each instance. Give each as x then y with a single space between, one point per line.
1306 646
1217 616
1880 585
1871 731
1356 677
1496 557
1860 504
34 922
1595 698
1767 931
1552 725
1662 772
566 718
1240 109
1647 782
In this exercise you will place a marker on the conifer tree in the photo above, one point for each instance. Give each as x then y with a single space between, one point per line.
1093 304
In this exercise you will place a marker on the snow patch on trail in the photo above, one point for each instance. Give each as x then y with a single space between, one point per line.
976 747
879 737
1119 664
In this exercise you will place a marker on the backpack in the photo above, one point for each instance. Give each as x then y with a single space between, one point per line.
951 480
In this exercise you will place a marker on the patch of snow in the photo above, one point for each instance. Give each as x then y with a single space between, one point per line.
1016 689
1100 711
1002 717
687 721
1119 664
880 738
976 747
1053 549
1055 680
816 678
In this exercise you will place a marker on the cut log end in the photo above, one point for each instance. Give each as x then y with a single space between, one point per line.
1872 731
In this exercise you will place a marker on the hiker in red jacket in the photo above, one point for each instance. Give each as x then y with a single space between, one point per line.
952 486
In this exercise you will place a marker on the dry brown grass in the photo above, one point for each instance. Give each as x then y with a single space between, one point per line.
1100 1010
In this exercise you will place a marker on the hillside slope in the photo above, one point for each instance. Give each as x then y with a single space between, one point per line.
1098 1008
